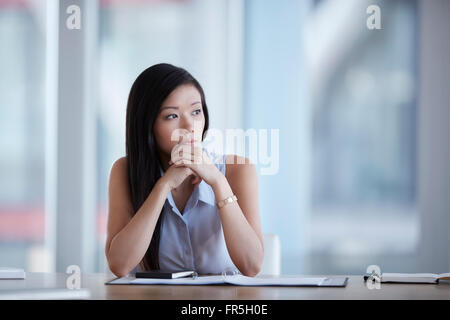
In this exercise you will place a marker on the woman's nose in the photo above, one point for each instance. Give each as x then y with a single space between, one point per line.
188 125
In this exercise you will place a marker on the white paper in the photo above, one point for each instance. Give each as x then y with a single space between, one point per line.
409 277
181 281
44 294
239 280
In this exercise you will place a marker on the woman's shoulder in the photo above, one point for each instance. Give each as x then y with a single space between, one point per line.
118 186
119 168
120 164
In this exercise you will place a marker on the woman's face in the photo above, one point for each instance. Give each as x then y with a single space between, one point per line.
180 117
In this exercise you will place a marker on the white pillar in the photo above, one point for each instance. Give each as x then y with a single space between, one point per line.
74 193
434 135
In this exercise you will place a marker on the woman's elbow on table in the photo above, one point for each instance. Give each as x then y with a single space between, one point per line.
253 269
118 270
251 272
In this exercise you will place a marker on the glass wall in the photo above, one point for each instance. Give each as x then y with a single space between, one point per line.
363 86
344 98
22 135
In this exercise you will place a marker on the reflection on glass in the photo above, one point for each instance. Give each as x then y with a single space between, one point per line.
364 126
364 138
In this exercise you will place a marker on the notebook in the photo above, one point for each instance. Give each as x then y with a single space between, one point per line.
412 277
238 280
164 275
11 273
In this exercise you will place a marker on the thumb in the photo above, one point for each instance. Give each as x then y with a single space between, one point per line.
196 181
197 184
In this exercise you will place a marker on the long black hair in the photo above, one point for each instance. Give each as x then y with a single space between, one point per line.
147 94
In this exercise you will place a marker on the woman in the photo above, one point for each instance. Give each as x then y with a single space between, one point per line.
163 212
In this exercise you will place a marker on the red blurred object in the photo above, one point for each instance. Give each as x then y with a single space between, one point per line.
27 224
14 3
22 224
107 3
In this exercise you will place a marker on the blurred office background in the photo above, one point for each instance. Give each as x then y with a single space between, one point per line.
364 174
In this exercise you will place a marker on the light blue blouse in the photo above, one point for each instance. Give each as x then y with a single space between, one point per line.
194 240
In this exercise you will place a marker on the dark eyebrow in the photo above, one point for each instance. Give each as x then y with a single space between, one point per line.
170 107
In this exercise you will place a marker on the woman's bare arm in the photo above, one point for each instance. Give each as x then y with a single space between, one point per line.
128 236
240 220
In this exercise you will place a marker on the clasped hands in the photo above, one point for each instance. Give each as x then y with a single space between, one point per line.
190 154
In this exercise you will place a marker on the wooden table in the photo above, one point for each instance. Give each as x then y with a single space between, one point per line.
355 289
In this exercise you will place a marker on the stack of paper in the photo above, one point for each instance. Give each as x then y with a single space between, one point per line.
12 273
414 277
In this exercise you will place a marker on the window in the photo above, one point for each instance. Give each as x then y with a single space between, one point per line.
22 135
364 135
344 99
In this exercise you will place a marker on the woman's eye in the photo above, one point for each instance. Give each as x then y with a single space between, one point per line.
173 115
